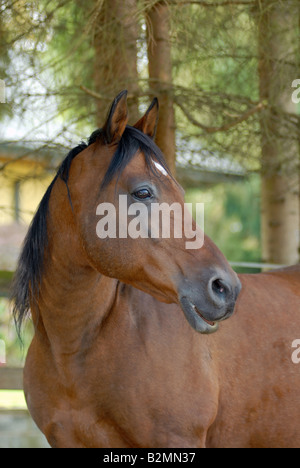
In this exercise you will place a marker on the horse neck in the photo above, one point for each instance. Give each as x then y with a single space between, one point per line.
74 298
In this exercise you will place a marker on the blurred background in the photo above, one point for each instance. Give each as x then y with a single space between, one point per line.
227 75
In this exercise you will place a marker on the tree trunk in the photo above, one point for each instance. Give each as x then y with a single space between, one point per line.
115 68
160 77
278 36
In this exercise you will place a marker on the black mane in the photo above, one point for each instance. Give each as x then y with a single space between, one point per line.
26 283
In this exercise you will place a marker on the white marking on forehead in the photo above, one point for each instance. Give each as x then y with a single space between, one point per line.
160 168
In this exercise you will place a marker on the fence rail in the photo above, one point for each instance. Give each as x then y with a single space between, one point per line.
262 266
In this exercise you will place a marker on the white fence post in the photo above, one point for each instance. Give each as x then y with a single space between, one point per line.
2 353
2 92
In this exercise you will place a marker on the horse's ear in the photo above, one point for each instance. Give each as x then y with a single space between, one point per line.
148 123
117 119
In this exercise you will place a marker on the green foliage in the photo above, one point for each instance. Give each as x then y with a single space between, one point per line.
232 217
216 72
69 61
4 64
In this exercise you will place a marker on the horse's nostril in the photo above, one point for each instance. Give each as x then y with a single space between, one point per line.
219 287
219 291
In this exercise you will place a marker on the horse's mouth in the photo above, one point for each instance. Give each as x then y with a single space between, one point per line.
196 319
212 324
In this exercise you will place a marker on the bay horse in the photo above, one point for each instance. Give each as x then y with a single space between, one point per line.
131 347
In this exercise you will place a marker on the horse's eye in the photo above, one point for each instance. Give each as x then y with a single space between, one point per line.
142 194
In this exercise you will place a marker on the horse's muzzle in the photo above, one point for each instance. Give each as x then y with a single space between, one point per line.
207 303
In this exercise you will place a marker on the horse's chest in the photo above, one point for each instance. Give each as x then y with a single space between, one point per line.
148 404
125 397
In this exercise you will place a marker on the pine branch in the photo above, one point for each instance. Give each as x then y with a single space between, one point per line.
224 128
214 4
106 97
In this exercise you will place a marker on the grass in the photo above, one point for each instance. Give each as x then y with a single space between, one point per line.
12 399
